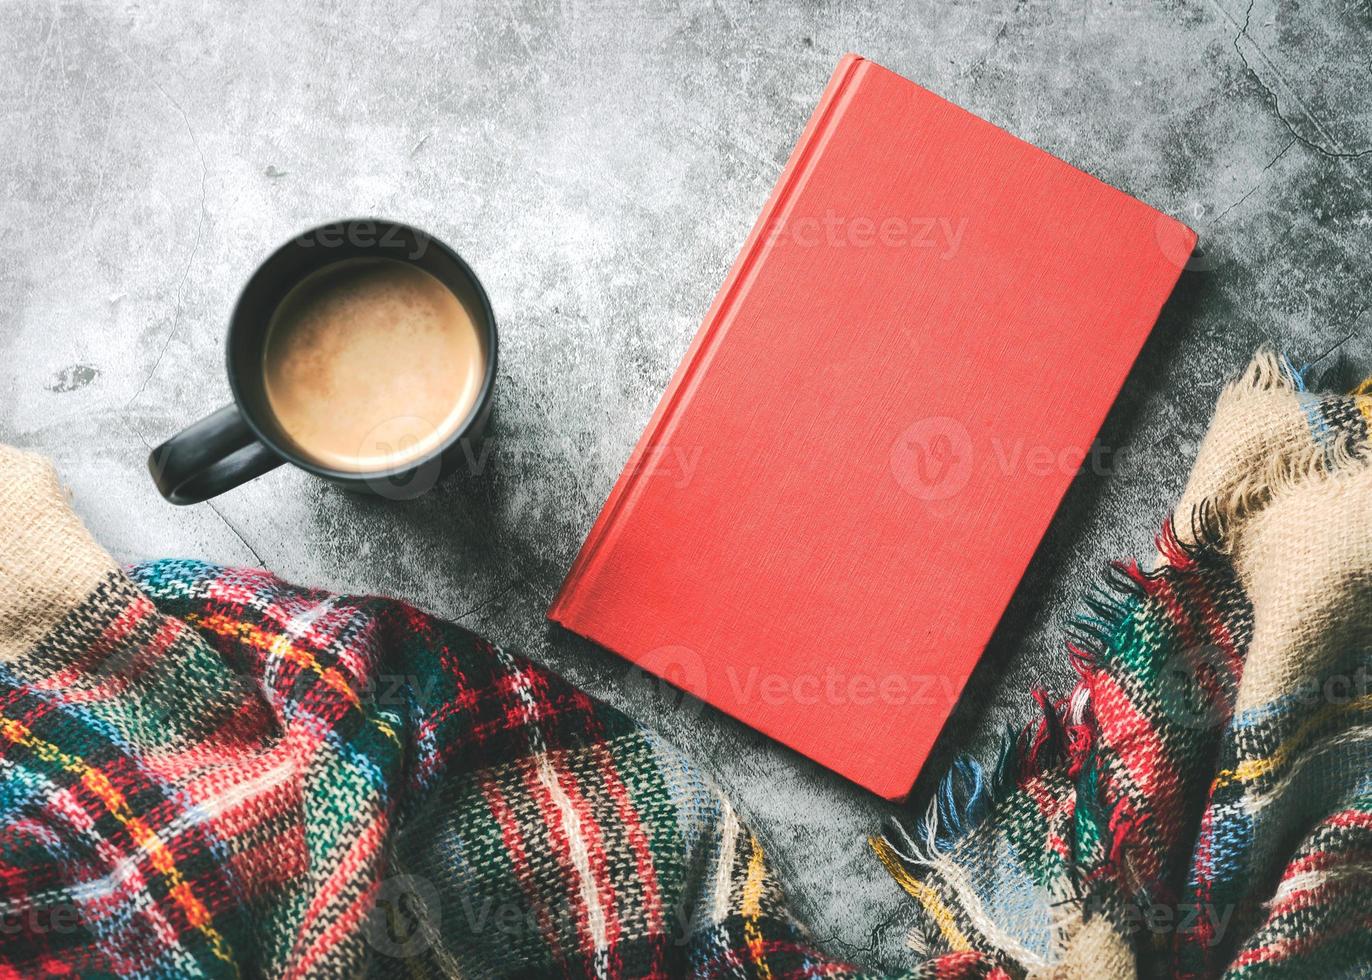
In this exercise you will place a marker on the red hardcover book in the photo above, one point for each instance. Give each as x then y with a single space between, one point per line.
901 374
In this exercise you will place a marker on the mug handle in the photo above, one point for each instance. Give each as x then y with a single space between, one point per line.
215 454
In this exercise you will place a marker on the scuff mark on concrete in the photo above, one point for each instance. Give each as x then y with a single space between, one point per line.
73 377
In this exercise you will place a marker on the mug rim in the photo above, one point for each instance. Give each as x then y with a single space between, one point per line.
295 458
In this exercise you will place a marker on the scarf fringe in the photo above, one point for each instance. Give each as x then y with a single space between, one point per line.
1214 519
972 792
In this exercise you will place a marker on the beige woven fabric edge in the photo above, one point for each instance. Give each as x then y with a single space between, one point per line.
1095 951
1296 519
48 560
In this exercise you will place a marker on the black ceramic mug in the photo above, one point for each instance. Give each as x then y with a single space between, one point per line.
243 440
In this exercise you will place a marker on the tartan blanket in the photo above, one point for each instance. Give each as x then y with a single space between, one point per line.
210 772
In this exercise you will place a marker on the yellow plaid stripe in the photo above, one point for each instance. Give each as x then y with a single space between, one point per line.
146 838
943 916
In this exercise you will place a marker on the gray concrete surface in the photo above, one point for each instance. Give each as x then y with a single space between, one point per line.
600 164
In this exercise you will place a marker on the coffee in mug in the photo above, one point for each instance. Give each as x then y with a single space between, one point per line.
370 364
363 352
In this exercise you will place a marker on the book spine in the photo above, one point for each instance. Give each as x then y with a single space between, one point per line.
712 330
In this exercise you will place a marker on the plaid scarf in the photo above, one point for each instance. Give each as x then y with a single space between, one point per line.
1200 805
206 771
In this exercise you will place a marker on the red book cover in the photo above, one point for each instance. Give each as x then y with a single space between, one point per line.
846 477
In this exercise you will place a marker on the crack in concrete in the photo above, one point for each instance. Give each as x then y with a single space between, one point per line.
219 514
1352 328
215 510
487 601
872 937
1256 184
1276 104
